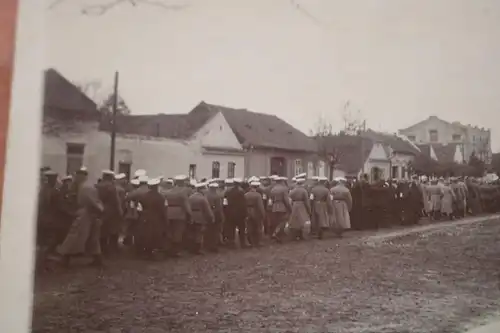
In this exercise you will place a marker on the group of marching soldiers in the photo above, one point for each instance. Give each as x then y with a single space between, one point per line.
170 216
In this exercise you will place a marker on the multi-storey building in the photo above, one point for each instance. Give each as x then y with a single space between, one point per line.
437 132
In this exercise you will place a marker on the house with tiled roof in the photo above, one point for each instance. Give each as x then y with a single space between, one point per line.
356 155
401 151
470 139
209 141
229 142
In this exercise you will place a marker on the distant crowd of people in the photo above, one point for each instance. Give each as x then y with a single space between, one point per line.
169 216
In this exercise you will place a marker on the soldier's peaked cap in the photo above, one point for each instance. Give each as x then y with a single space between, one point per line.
82 171
229 181
213 185
140 172
200 185
301 175
180 177
153 182
134 182
143 179
238 180
50 173
255 184
120 176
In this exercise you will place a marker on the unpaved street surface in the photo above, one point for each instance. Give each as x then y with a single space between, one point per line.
437 280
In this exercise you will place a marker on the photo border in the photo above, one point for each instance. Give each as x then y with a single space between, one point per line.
22 160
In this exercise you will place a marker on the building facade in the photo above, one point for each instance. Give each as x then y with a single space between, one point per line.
208 142
469 139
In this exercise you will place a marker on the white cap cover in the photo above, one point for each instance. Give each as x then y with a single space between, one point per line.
181 177
229 181
214 185
143 179
257 184
120 176
154 181
134 182
139 173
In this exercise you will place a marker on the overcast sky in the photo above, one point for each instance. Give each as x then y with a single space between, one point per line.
398 61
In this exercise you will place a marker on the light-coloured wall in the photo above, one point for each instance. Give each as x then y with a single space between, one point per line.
445 131
158 156
258 162
378 158
401 161
478 141
217 133
472 138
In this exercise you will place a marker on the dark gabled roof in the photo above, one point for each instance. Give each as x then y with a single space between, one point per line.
172 126
260 130
445 153
425 149
392 140
60 93
252 129
351 151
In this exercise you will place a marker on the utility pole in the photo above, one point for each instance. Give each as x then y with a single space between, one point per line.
113 125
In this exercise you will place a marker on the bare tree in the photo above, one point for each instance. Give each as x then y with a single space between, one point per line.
104 101
354 123
322 128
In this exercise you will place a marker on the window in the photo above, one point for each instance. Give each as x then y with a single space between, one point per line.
124 167
192 171
231 167
298 167
74 157
321 169
456 137
310 169
433 136
411 138
394 172
215 169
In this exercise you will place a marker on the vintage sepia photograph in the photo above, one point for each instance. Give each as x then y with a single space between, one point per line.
252 166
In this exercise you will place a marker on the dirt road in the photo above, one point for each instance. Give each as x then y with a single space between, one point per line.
440 279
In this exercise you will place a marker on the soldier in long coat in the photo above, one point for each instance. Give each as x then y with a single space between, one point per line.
131 215
85 232
436 194
413 203
342 205
213 230
301 209
113 212
322 206
255 214
447 200
179 213
281 208
266 190
236 215
459 203
152 224
202 216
